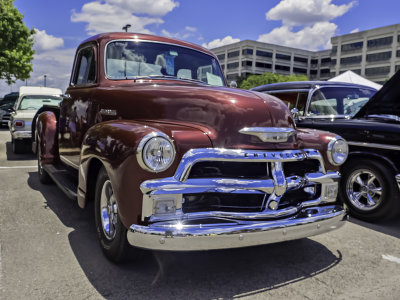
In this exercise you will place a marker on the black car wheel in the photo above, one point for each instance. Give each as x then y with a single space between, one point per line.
111 232
369 190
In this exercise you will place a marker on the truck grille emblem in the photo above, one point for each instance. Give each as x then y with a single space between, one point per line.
270 134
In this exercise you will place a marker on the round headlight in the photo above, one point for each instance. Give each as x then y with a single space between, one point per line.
156 152
338 151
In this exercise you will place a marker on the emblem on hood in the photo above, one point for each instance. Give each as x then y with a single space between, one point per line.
270 134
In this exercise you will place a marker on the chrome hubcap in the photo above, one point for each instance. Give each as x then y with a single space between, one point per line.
364 190
108 210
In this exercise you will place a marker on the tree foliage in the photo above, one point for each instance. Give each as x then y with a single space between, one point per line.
267 78
16 42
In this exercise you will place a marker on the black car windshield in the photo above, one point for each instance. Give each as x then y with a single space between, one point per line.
132 60
339 101
34 102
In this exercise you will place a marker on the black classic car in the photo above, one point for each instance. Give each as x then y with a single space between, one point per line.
370 121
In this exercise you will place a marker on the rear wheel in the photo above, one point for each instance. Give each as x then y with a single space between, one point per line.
110 231
43 175
369 190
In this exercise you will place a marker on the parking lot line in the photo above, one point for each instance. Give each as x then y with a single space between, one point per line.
391 258
18 167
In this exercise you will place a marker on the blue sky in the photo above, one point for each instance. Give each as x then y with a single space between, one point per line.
307 24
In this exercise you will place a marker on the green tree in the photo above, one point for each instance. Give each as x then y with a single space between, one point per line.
267 78
16 42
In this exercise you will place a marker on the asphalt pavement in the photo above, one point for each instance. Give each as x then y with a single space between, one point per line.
49 250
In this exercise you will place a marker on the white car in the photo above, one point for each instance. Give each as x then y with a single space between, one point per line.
31 99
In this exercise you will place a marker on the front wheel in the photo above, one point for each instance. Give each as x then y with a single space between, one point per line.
110 231
44 177
369 190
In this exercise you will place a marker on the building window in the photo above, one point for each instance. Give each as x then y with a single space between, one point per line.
326 60
233 54
334 50
379 56
263 65
325 71
221 56
233 65
313 72
398 38
398 53
300 70
314 61
397 67
377 71
247 51
333 62
222 67
380 42
232 76
282 56
247 63
352 46
264 53
282 68
351 60
301 59
357 71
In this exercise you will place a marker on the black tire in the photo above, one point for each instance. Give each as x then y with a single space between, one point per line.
113 241
369 190
18 146
44 177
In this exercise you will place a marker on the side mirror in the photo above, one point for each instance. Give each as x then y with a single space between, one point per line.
295 113
233 84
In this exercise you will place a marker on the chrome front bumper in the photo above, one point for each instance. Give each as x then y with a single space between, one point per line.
178 237
182 230
21 134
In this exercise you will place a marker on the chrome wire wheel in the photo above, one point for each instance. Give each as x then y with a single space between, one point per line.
364 189
108 210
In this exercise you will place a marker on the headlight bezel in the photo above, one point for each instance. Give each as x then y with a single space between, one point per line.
331 152
142 146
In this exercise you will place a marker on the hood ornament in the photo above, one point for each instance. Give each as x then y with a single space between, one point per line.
270 134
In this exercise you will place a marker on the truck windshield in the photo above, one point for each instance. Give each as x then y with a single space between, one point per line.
338 101
131 59
34 102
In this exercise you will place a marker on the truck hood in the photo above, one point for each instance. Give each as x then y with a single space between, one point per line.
219 112
386 101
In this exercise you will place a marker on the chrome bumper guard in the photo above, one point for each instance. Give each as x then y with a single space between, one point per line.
21 134
220 229
178 237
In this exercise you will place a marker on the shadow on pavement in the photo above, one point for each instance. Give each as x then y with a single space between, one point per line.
195 275
28 155
389 227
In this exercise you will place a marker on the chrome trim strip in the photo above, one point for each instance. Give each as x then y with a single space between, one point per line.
398 180
179 236
270 134
372 145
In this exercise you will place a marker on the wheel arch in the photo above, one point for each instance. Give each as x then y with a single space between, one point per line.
371 155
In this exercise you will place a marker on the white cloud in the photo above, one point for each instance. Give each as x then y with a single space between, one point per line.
307 12
44 41
312 16
112 15
218 42
311 37
183 35
55 64
355 30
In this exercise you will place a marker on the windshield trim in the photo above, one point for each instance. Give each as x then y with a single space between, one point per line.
156 42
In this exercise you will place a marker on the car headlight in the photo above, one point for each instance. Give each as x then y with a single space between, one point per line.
156 152
338 150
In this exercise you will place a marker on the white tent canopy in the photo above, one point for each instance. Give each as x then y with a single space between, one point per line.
351 77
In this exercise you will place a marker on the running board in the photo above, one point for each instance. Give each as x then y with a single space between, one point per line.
64 179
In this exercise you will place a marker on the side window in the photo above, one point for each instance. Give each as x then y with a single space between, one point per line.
293 100
85 70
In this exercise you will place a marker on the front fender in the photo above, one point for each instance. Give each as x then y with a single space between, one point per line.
115 143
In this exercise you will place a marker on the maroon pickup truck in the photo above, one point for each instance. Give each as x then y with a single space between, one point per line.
175 160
